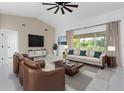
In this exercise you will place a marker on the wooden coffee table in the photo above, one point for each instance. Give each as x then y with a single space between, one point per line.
71 68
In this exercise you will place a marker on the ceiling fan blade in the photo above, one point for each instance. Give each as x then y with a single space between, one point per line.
62 10
75 6
56 10
51 8
66 2
48 4
67 9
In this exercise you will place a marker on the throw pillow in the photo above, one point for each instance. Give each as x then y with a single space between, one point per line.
87 53
97 54
83 53
75 51
71 52
91 53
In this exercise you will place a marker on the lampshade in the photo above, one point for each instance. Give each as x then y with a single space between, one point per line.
66 47
111 48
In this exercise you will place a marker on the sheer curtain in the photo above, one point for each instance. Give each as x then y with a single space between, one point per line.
113 31
69 35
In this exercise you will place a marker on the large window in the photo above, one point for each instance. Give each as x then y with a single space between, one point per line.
76 43
94 41
87 43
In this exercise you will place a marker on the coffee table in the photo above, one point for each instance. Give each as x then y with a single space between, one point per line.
71 67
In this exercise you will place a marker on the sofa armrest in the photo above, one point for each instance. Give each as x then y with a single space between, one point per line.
25 55
103 59
31 58
41 63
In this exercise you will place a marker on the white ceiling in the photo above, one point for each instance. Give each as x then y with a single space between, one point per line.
59 21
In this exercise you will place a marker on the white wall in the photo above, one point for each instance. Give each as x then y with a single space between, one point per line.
108 17
60 47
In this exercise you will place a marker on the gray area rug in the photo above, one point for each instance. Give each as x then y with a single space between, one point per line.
90 68
78 82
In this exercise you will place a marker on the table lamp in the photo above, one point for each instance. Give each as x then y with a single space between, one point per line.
66 47
111 48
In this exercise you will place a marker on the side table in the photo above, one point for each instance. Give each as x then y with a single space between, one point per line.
111 61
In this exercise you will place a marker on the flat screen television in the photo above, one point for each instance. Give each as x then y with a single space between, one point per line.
35 40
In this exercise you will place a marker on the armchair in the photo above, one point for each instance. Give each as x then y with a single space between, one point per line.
17 58
34 64
38 80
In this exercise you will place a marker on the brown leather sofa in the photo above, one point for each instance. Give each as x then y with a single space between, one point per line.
34 79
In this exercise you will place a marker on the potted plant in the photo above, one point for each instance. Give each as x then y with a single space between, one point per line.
55 49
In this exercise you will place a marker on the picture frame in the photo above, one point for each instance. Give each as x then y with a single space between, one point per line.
62 40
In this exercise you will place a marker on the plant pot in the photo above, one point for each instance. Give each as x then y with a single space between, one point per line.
55 52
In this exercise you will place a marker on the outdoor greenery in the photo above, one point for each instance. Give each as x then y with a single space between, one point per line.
76 43
101 44
97 43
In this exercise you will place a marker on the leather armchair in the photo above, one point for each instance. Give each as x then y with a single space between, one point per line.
17 58
26 55
34 79
41 62
37 64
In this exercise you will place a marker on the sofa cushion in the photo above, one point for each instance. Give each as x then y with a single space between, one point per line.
31 64
71 52
76 52
83 53
91 53
84 58
97 54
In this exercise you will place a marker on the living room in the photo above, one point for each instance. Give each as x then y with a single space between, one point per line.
61 46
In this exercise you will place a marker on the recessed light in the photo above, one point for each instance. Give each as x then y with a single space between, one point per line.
23 24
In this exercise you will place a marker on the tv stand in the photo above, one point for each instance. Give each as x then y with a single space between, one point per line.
37 53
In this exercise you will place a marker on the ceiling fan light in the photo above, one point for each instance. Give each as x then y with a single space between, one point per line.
61 5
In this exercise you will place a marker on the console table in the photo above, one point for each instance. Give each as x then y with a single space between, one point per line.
37 53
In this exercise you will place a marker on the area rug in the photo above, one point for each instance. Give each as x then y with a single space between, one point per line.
78 82
90 68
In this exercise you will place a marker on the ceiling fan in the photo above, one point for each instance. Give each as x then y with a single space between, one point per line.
61 6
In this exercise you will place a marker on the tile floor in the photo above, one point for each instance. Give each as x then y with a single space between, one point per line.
108 79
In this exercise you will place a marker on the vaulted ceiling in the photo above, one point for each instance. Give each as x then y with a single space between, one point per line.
59 21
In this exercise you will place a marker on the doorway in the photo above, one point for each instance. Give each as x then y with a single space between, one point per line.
8 44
